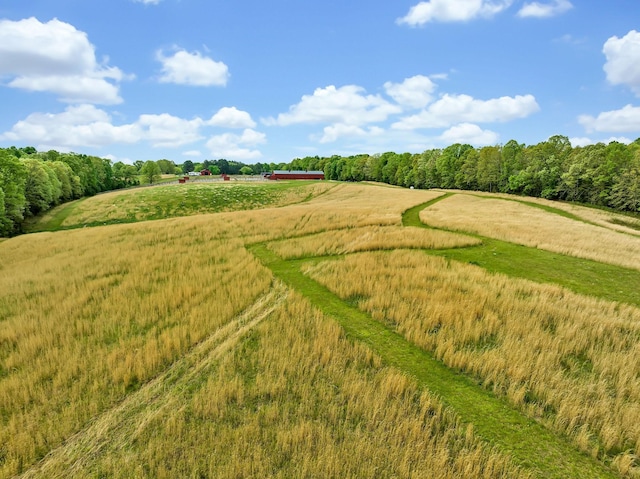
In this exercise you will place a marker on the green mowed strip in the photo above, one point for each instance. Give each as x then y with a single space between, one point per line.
582 276
53 219
527 442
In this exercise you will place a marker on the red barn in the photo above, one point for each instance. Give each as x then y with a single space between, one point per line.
296 175
205 173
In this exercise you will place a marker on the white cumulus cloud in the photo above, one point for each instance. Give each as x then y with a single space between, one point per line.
231 117
453 109
469 133
72 89
237 147
166 130
544 10
185 68
414 92
339 130
581 141
78 125
627 119
56 57
452 11
88 126
348 105
623 60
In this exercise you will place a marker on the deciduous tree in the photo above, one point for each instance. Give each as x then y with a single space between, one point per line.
187 166
38 190
150 171
13 176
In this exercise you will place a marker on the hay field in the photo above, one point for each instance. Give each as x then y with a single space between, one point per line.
522 224
167 349
294 398
90 315
370 238
608 219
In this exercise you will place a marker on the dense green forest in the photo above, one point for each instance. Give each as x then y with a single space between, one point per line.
602 175
606 175
31 182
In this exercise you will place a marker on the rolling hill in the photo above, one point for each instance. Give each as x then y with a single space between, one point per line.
320 330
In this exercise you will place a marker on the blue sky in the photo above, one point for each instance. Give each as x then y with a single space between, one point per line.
269 81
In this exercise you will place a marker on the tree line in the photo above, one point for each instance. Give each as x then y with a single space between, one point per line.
601 174
229 167
606 175
31 182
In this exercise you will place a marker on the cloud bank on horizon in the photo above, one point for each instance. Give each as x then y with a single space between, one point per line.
267 98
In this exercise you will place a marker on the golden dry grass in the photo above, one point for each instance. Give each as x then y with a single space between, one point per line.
295 399
117 427
91 314
164 349
344 206
572 361
369 238
607 219
518 223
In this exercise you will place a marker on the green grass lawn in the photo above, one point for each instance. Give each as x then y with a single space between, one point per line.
167 201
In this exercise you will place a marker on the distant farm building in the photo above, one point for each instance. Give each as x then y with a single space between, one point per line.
296 175
205 173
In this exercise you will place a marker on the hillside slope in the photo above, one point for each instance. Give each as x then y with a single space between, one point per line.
223 345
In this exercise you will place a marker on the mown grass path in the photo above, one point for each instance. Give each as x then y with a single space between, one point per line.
583 276
527 442
53 219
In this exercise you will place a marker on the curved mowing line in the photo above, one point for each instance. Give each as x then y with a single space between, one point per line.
528 443
411 217
583 276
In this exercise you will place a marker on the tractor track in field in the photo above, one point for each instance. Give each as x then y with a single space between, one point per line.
121 424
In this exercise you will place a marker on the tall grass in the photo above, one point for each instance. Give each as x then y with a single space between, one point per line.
90 315
625 223
518 223
352 240
295 399
569 360
164 349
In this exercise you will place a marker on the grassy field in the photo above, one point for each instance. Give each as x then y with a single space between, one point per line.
625 222
318 330
168 201
527 225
